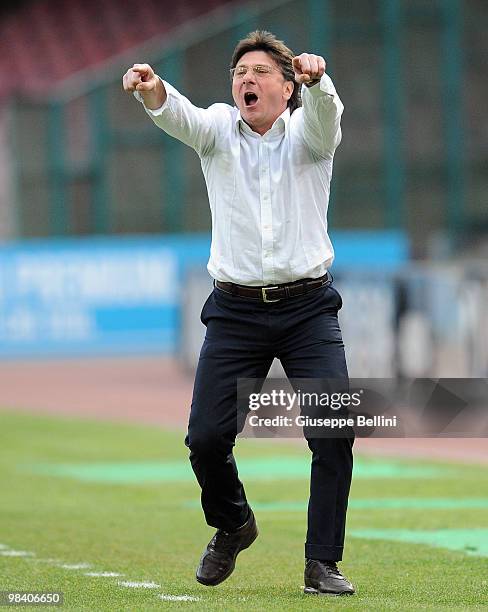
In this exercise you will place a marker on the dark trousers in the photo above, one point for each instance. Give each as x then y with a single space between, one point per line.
242 338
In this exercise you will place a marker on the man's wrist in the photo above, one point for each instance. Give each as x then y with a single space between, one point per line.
312 83
153 100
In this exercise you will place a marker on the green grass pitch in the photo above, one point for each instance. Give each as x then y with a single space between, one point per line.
80 497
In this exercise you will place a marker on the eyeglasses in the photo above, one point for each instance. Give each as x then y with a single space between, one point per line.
259 70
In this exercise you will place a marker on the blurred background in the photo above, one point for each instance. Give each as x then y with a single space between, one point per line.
104 241
104 220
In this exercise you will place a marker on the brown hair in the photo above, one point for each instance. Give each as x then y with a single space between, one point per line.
261 40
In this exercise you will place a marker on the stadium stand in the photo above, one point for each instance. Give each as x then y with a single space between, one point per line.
48 40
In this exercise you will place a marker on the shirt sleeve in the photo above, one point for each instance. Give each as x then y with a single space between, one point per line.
322 111
178 117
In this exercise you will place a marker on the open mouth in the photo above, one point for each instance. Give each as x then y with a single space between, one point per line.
250 98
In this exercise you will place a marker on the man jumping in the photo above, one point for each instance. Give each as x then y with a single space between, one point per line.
267 163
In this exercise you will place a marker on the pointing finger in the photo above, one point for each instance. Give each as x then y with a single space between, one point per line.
143 69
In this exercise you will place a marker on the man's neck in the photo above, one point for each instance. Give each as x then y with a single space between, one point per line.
261 130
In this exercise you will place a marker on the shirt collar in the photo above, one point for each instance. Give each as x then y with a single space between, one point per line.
280 124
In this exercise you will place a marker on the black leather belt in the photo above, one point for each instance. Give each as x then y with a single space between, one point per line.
275 293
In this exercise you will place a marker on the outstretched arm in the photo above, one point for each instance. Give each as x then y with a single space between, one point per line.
170 110
322 107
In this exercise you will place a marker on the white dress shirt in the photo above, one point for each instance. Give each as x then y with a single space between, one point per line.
268 194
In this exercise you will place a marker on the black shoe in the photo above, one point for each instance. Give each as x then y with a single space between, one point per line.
324 578
219 559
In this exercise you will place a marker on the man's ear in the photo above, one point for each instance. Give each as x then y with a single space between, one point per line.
288 89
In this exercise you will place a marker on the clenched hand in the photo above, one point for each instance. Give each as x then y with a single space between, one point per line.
308 67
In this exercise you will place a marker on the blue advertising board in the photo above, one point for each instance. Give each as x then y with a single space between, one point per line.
118 295
93 295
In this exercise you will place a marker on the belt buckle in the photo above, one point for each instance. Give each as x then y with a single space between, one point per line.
263 293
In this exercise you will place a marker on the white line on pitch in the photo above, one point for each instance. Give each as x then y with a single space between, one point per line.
5 551
138 585
179 598
75 566
103 574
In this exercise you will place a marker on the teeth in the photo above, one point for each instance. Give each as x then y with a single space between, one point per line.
250 96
